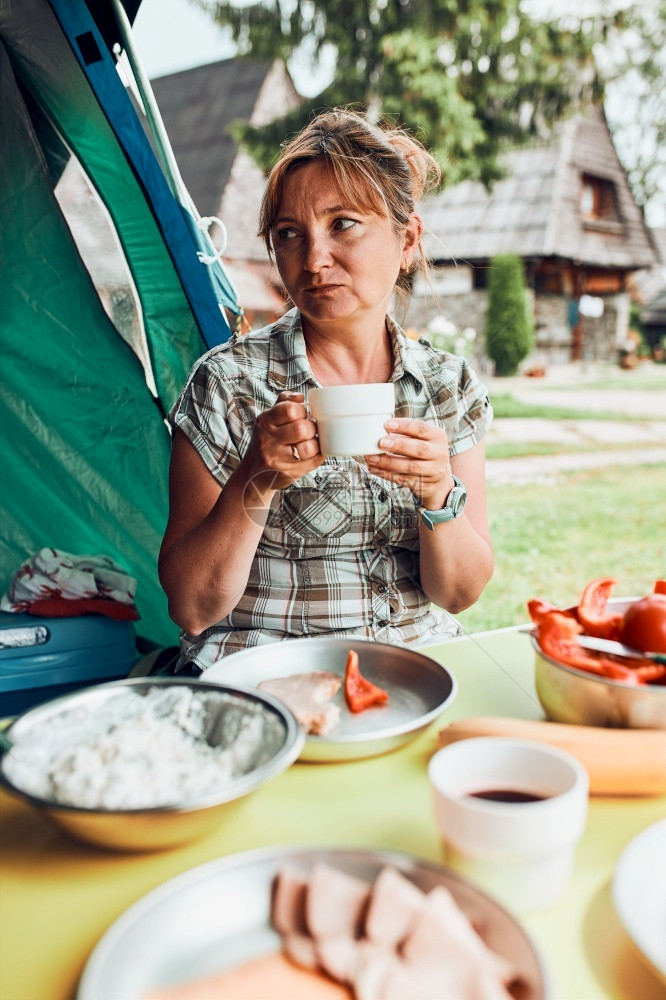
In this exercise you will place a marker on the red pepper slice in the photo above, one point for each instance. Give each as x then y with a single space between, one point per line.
360 692
651 673
660 587
556 634
591 610
539 609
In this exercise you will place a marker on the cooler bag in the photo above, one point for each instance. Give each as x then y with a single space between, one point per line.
41 658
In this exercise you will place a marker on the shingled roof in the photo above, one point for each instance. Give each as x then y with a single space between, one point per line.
198 106
535 210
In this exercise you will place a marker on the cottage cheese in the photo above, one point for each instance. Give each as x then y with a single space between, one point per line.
137 751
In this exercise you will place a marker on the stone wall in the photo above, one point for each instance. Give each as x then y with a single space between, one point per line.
466 309
601 337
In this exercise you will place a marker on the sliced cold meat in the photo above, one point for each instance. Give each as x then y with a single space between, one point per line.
439 920
350 960
335 903
309 698
392 941
394 904
288 904
443 978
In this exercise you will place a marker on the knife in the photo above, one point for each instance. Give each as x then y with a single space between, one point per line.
618 649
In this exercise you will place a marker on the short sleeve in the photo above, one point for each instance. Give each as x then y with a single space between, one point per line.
202 412
475 412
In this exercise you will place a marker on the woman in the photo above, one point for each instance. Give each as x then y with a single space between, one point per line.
266 539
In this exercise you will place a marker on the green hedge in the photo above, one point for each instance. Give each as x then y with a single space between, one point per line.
508 331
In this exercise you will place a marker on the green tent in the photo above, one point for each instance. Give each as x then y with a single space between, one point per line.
91 361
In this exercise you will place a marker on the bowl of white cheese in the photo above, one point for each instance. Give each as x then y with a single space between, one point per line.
147 764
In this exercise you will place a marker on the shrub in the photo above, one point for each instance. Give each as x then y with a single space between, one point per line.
509 333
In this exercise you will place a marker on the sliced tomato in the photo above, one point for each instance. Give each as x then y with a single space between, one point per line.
644 624
592 613
360 692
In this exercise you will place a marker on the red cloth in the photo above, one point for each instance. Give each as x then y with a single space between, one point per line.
65 607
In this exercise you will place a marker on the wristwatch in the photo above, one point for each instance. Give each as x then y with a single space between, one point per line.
454 506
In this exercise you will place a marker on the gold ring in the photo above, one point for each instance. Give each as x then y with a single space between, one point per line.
294 451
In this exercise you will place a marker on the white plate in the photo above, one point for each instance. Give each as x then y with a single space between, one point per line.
419 690
639 894
218 915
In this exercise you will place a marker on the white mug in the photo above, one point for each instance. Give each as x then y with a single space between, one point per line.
520 851
350 418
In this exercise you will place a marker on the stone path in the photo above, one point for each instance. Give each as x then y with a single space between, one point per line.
548 468
636 441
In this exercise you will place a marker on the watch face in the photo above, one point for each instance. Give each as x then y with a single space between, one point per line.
457 500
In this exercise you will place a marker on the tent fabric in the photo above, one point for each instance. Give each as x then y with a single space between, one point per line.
206 297
86 450
56 83
85 445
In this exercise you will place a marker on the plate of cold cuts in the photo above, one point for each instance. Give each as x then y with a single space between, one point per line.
315 924
312 677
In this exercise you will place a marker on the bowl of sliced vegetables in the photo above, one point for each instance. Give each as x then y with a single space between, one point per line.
602 662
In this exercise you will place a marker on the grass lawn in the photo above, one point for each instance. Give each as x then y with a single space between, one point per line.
551 539
505 405
522 449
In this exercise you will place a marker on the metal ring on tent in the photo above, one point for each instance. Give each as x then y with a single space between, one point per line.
204 225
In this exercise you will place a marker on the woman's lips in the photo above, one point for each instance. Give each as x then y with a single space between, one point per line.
321 289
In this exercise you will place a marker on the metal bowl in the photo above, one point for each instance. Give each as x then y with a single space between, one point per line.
163 826
582 698
419 690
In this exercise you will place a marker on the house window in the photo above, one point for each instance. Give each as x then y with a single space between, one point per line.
597 200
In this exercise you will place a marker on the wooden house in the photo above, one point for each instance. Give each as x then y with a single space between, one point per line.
198 107
648 291
565 207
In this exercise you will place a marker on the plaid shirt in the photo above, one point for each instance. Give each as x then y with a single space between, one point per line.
339 554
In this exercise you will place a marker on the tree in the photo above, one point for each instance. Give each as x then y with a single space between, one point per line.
465 75
508 329
632 65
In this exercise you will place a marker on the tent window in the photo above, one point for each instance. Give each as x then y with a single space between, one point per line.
88 48
99 247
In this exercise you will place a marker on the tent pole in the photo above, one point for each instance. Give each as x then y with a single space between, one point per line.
169 164
165 152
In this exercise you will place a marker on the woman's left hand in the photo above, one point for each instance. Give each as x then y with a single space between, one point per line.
418 459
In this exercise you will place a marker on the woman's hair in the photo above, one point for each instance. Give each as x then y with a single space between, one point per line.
379 168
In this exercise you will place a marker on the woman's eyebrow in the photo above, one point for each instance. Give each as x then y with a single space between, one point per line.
333 210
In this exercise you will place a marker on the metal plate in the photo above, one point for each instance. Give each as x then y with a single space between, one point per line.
419 690
218 915
639 894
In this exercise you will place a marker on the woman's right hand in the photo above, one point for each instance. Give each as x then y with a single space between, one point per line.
284 444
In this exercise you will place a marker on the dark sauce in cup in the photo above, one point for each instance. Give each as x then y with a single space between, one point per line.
508 795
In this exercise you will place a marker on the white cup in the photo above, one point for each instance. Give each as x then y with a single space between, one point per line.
350 418
521 852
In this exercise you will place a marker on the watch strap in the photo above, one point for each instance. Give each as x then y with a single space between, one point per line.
453 508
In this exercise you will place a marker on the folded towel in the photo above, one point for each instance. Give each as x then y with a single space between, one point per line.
57 584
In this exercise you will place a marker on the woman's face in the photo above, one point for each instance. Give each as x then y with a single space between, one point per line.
337 262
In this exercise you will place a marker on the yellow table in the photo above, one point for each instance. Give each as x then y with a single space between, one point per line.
58 897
